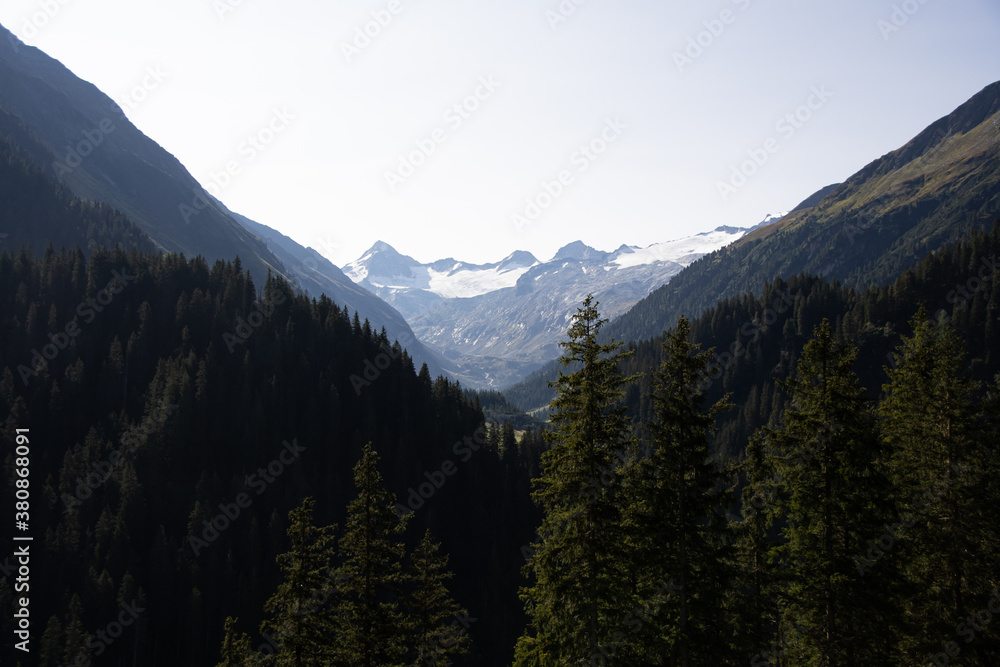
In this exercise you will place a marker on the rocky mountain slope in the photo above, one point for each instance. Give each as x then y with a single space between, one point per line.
518 308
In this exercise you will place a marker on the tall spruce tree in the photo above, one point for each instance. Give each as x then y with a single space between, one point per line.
678 515
830 471
439 624
580 596
943 475
301 622
370 577
752 603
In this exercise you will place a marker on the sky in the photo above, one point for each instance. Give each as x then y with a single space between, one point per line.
470 129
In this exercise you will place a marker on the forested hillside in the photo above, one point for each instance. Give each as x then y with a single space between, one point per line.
158 390
851 532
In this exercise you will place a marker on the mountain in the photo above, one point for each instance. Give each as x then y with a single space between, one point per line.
416 288
935 190
80 137
518 308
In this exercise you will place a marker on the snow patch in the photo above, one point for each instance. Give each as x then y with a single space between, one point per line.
679 250
466 284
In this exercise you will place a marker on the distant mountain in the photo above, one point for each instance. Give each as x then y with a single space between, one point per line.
416 288
518 308
80 138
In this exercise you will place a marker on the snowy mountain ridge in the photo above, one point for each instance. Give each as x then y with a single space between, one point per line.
387 272
518 309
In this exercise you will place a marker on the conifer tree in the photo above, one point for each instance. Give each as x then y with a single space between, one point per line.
439 625
370 576
236 650
301 623
752 602
827 460
941 471
50 646
677 514
580 595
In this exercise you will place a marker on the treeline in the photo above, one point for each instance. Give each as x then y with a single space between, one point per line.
864 533
178 412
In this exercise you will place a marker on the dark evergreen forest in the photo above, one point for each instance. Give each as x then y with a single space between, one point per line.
223 472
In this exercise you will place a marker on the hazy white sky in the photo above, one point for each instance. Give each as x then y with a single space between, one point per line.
668 96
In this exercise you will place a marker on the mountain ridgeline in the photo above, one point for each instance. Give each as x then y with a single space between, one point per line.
935 190
79 137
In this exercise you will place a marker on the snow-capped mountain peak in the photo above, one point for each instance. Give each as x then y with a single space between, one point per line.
679 251
516 308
